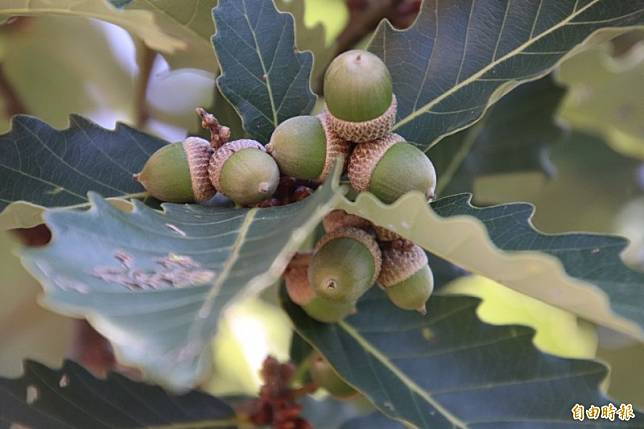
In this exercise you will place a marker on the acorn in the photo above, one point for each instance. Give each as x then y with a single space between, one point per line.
390 167
384 234
244 172
406 277
323 374
338 219
300 291
306 147
178 172
345 264
359 96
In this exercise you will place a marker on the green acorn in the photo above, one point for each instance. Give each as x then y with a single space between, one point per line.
359 96
345 264
178 172
305 147
390 167
323 374
338 219
244 172
406 277
300 291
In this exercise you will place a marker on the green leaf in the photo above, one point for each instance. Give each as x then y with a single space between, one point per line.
43 167
309 38
606 97
449 370
140 23
70 397
374 420
580 273
461 56
189 21
155 283
263 75
513 136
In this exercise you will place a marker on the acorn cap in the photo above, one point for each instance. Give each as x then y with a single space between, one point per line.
244 172
406 277
178 172
362 132
323 374
357 86
390 167
384 234
306 148
338 218
345 264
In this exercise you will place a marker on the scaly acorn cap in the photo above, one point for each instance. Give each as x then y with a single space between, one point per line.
178 172
345 264
406 277
323 374
362 132
338 218
244 172
305 147
390 167
384 234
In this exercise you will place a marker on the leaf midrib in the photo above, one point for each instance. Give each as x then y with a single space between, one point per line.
427 107
415 388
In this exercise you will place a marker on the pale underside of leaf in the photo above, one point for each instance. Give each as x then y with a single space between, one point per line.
165 329
465 241
461 57
141 23
189 21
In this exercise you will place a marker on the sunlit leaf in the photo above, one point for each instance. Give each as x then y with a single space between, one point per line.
140 23
606 96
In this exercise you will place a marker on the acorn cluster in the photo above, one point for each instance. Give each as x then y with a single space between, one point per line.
348 260
357 125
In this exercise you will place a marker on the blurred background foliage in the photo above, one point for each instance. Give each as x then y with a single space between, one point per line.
51 66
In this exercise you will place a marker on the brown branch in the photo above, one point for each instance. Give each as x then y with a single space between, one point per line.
13 103
146 57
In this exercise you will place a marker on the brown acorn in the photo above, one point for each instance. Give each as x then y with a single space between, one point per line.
390 167
178 172
300 291
337 219
244 172
359 96
345 264
323 374
406 277
306 147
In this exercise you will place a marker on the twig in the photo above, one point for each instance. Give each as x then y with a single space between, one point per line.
363 20
146 57
219 135
13 103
